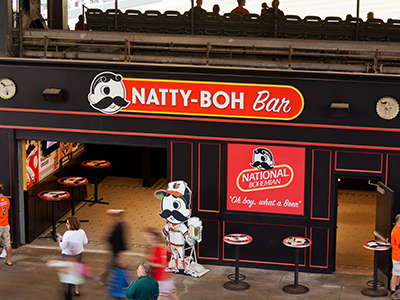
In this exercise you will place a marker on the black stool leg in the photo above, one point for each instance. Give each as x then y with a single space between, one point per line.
54 220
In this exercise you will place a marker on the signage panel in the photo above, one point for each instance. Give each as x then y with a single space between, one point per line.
110 93
267 179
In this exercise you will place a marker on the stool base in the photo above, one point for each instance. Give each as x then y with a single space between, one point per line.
232 286
291 289
371 293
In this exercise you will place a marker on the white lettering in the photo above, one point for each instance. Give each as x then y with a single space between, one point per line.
141 96
163 96
185 96
215 100
205 99
152 98
239 100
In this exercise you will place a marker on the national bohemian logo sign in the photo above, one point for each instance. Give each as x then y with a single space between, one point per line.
266 179
111 93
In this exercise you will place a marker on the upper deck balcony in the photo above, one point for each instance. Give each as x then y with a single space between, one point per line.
251 41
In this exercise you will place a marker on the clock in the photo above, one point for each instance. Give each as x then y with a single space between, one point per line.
387 108
8 88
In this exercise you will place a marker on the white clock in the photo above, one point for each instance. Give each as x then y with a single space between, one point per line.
8 88
387 108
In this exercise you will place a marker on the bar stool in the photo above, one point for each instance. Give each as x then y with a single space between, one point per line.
96 165
53 196
377 246
236 282
71 182
297 243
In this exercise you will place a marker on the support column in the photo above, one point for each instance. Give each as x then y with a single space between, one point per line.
5 26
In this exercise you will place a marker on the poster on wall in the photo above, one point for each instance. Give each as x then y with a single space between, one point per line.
48 163
32 162
268 179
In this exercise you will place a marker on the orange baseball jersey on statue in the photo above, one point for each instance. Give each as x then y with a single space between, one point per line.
4 206
395 241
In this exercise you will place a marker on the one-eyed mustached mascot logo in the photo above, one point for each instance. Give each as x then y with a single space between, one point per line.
262 159
180 229
107 93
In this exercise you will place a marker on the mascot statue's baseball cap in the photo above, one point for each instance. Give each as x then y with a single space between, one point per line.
177 188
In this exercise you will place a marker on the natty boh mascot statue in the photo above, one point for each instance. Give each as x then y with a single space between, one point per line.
175 206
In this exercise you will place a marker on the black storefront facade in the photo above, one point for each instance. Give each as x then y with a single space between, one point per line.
356 144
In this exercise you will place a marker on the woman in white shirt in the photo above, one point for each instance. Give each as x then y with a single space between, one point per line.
72 242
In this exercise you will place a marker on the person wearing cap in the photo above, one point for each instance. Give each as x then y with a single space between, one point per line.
175 205
116 239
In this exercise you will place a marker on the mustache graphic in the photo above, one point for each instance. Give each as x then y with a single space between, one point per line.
107 101
176 214
264 165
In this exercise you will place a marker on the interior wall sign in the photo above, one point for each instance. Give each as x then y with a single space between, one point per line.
267 179
110 93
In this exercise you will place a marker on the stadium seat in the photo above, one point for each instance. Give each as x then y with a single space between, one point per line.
251 25
292 27
187 23
153 21
95 19
333 28
173 22
232 24
133 20
393 30
212 24
375 30
312 27
109 18
350 28
268 25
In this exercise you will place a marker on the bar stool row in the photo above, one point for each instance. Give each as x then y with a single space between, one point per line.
72 182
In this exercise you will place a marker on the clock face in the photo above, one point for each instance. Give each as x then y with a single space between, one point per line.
387 108
7 88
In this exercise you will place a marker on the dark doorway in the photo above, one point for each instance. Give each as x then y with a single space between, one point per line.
135 162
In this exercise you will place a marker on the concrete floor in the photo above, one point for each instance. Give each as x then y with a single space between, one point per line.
30 278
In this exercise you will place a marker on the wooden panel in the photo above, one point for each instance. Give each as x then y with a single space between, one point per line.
267 245
321 184
182 162
209 177
209 246
359 161
319 250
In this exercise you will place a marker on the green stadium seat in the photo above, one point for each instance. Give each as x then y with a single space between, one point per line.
109 19
95 19
153 21
333 28
173 22
133 20
187 23
393 30
375 30
232 24
350 27
268 25
212 24
312 28
252 25
292 27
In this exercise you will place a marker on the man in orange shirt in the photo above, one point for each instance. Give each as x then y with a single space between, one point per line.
240 10
395 240
4 225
